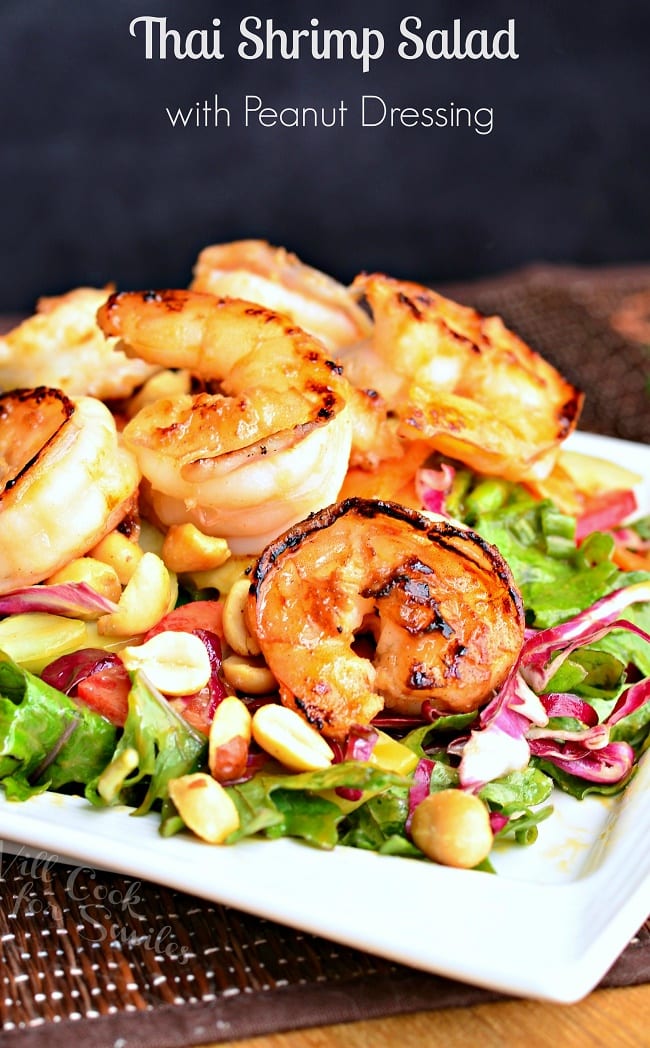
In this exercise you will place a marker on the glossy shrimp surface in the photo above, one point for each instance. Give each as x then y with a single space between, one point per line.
439 602
65 482
61 346
462 381
277 279
272 446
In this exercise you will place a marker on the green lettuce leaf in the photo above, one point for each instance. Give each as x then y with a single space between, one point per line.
303 805
166 747
577 787
47 740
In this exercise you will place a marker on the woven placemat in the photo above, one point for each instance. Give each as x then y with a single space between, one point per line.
108 960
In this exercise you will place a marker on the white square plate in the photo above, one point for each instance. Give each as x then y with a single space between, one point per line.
549 925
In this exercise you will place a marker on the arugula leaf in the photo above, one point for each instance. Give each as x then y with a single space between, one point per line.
633 729
591 673
630 647
306 815
47 740
517 791
420 740
166 747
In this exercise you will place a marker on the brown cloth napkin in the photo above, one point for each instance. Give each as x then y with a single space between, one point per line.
100 959
594 325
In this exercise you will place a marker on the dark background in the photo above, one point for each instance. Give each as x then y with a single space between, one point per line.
96 185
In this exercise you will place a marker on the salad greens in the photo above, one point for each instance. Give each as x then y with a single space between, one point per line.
47 741
574 713
158 744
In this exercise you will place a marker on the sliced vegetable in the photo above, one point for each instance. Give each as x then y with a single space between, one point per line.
605 511
74 599
35 638
198 615
107 692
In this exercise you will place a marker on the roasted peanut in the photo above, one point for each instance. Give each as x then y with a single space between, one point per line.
99 576
144 601
224 577
230 736
452 827
287 737
204 806
235 628
248 674
176 663
187 549
119 553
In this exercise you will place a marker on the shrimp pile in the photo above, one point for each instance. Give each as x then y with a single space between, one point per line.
62 347
284 394
64 482
248 462
439 602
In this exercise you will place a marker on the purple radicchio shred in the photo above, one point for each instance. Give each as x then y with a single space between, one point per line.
421 787
630 701
65 598
68 671
358 747
498 821
360 743
539 658
216 684
609 764
432 487
563 704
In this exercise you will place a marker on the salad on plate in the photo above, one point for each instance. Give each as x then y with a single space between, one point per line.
284 558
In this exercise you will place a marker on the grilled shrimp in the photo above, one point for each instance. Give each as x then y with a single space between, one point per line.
462 381
256 271
248 462
440 602
62 347
272 277
64 482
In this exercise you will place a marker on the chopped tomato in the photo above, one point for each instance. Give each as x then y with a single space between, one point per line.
605 511
198 709
199 615
107 693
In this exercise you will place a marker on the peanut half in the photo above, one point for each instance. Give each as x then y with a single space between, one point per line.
248 674
204 806
187 549
99 576
176 663
144 600
235 629
287 737
119 553
230 736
